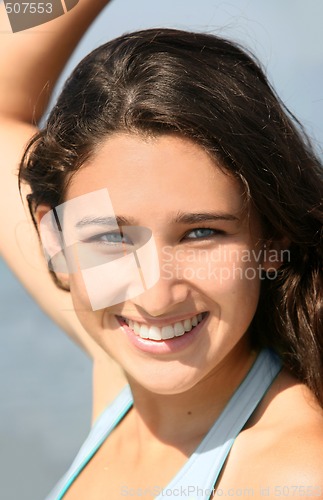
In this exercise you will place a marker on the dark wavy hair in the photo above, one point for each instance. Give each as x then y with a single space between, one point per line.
213 92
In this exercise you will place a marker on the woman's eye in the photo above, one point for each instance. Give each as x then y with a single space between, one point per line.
113 238
202 233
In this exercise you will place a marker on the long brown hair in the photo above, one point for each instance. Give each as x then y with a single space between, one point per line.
210 90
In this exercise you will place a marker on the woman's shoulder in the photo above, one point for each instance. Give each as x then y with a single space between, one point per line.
280 452
293 425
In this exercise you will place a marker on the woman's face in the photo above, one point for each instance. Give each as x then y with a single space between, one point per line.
207 249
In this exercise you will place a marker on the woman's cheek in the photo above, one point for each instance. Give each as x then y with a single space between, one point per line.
90 320
79 293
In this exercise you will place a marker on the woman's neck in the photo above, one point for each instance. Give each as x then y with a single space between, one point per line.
183 419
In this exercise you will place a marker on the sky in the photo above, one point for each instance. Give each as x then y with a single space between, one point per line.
41 372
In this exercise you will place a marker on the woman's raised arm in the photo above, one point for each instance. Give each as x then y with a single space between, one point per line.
30 63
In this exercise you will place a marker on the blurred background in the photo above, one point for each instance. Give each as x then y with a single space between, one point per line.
45 380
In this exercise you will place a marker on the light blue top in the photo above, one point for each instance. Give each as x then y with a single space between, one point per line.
196 479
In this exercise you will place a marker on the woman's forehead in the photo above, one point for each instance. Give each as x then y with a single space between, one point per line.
168 172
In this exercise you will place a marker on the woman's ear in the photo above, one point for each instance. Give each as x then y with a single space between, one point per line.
276 252
52 242
40 212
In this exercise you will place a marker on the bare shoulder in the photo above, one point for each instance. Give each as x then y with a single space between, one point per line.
295 454
280 453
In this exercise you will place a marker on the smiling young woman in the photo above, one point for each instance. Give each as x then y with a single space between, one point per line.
180 205
144 178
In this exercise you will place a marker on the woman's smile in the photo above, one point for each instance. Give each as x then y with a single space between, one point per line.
164 329
169 338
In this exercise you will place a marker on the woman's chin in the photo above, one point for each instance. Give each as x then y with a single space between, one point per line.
167 382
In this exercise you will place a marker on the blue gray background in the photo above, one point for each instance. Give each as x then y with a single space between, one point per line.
45 381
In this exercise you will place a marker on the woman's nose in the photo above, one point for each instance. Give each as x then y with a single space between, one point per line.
169 291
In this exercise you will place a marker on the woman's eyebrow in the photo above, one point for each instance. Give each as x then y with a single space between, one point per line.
193 218
105 221
179 218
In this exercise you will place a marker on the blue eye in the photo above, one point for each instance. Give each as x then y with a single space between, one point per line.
114 238
202 233
111 238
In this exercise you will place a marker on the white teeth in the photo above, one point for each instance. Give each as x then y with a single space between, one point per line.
154 333
179 329
166 332
144 331
188 325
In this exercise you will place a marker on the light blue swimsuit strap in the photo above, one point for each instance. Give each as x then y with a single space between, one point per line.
198 476
101 429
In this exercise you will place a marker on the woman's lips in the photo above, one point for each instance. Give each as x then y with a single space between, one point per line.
168 338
